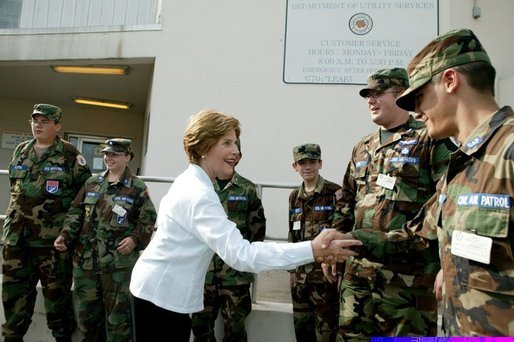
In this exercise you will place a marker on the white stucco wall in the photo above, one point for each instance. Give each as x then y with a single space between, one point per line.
229 56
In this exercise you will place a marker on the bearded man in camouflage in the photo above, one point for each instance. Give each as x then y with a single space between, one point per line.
45 174
391 174
452 91
227 289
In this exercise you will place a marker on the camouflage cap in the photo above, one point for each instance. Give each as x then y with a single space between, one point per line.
384 79
118 146
450 49
48 110
306 151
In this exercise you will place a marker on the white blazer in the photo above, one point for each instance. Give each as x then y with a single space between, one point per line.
191 227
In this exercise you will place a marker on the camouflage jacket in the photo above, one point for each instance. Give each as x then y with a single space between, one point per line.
41 192
474 197
243 207
308 216
102 215
385 185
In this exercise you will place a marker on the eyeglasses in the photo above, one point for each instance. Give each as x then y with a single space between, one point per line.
40 122
377 93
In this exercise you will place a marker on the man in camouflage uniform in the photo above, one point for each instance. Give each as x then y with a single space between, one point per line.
391 174
312 207
226 288
110 221
452 90
45 175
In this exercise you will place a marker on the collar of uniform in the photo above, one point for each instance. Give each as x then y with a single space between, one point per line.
481 134
317 189
57 146
405 129
235 180
125 180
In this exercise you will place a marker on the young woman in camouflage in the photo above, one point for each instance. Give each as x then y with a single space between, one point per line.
111 220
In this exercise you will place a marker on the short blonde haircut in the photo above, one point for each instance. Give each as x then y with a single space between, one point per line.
204 130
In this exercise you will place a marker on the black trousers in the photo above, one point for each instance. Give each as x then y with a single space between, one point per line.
154 323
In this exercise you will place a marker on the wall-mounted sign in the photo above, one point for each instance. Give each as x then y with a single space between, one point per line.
343 41
11 139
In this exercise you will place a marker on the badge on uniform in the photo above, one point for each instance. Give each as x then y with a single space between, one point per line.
471 246
52 186
17 185
88 210
386 181
121 219
81 160
121 212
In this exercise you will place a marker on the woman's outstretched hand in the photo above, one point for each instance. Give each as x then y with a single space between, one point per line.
332 246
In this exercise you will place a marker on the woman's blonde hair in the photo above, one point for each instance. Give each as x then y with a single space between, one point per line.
204 130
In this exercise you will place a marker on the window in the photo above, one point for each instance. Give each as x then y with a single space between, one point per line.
90 147
10 11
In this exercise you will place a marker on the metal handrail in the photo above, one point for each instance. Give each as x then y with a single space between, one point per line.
155 179
259 185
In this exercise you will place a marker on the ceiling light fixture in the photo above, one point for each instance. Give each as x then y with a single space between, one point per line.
93 69
102 103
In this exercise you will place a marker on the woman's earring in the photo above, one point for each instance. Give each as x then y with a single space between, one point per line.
203 157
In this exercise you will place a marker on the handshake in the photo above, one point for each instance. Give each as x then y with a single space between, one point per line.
332 246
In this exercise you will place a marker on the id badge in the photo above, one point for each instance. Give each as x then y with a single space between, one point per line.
386 181
297 225
118 209
471 246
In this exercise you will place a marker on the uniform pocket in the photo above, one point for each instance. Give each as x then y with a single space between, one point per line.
125 261
405 170
486 215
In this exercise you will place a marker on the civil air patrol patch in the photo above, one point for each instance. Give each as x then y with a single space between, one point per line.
296 211
237 198
492 201
473 142
81 160
405 160
408 142
323 208
52 186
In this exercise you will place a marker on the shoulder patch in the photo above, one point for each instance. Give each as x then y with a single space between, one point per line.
81 160
339 194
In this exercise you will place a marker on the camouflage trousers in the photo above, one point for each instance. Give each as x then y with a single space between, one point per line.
378 308
104 305
235 305
315 311
22 268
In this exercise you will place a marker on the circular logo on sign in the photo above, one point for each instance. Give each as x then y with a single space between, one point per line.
360 23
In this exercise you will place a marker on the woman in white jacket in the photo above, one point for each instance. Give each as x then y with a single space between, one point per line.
167 280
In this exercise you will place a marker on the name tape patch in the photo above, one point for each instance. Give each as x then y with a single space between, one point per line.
493 201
